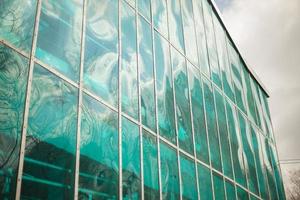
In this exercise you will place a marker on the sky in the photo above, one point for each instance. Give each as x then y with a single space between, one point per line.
267 33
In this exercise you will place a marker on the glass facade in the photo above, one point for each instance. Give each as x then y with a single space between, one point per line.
129 99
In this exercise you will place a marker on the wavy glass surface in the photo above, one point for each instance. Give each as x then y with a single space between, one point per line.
159 12
51 138
188 178
146 74
144 8
131 162
164 89
58 43
13 81
195 86
257 104
99 160
150 153
184 126
218 186
230 190
101 50
204 179
17 21
250 101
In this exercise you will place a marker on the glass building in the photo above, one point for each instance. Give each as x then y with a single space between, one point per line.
129 99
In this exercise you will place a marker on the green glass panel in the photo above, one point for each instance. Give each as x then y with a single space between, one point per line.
159 12
236 145
131 2
13 81
51 138
218 186
17 22
266 116
230 190
182 102
211 43
98 169
204 179
223 133
169 172
129 61
100 70
146 74
150 166
211 121
131 165
242 194
164 89
253 197
58 43
201 37
257 104
188 178
144 8
195 86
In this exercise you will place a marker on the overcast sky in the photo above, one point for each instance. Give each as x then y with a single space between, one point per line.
267 33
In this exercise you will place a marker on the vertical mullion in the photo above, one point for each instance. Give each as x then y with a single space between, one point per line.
27 100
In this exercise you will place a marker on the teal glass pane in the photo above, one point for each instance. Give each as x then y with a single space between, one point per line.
100 70
175 24
131 2
247 87
189 31
51 138
131 162
266 116
129 61
159 12
182 102
188 178
223 133
145 9
17 21
13 81
150 166
211 43
236 145
257 104
211 121
218 186
201 38
204 179
98 168
164 89
242 194
195 86
146 74
249 160
230 190
253 197
169 172
58 43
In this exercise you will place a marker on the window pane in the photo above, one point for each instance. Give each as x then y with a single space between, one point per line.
101 49
204 179
144 8
165 100
212 130
131 160
159 12
230 190
146 74
151 187
58 43
188 178
169 172
242 194
129 61
218 186
98 151
17 21
182 102
249 95
51 138
198 114
13 81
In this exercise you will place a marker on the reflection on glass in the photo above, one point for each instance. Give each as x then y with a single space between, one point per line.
230 190
98 169
151 187
129 61
13 78
169 172
159 12
146 74
248 93
58 43
144 8
218 186
101 50
242 194
204 179
51 138
17 21
184 127
131 160
165 102
188 178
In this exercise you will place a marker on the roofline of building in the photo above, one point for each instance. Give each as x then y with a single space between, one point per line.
249 69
